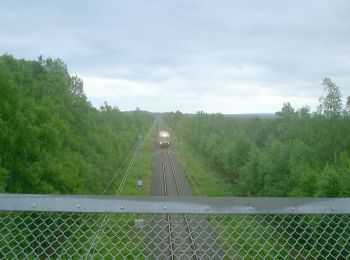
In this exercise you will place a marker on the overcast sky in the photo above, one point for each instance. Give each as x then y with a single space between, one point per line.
215 56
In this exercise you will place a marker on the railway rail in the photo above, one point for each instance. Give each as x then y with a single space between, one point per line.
179 246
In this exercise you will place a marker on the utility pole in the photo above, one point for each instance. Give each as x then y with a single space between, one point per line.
139 182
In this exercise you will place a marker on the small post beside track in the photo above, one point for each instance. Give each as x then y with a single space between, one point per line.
139 181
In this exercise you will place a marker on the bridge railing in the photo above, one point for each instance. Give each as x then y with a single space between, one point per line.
85 227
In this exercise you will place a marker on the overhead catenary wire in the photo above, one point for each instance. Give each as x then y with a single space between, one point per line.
132 153
133 149
120 188
126 175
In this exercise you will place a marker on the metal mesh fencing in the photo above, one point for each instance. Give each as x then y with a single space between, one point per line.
42 235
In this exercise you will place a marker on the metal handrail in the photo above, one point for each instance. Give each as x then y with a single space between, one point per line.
183 204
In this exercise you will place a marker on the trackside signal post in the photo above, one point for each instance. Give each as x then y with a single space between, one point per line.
139 182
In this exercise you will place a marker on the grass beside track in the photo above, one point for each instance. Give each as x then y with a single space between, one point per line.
130 187
120 237
204 180
258 236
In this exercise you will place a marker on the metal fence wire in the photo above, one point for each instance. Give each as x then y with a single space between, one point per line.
173 228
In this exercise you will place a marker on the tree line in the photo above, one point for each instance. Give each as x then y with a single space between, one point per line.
52 140
296 153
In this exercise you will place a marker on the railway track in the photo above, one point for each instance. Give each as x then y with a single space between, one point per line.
181 244
178 236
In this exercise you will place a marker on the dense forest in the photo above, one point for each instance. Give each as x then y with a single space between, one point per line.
297 153
52 140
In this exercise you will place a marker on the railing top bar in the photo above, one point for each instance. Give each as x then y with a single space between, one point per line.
198 205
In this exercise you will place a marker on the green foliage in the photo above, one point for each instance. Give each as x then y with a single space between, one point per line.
331 105
51 138
348 106
3 179
298 153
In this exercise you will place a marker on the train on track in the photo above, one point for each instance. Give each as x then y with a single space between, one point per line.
164 139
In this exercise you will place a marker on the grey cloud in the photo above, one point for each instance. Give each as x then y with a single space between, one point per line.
188 44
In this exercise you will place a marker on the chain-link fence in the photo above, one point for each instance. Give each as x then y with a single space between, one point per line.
41 227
